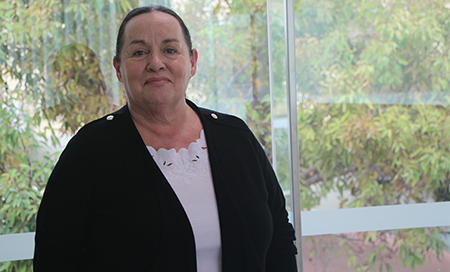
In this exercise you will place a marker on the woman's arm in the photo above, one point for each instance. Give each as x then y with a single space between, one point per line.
63 213
282 250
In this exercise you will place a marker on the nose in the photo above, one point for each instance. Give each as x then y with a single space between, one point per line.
155 63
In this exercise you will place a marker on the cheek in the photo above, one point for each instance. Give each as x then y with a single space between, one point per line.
129 74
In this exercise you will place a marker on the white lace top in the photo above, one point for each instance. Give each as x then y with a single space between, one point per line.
189 173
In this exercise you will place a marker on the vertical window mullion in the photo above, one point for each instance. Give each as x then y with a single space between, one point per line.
291 96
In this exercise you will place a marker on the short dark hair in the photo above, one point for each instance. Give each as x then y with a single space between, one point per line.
149 9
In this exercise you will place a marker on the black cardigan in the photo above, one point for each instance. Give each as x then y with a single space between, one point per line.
108 207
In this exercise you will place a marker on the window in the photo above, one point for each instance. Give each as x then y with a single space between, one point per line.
370 83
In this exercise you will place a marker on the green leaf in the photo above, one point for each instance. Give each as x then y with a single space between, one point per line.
351 261
372 258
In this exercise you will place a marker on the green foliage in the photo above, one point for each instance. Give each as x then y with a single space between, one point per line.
41 37
384 155
79 91
22 175
17 266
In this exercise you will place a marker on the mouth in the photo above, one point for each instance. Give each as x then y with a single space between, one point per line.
157 81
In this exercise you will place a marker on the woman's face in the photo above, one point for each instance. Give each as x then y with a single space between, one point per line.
155 63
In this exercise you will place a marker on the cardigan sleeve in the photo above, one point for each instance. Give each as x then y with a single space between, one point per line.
63 213
282 250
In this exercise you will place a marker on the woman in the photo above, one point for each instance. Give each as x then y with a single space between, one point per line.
162 185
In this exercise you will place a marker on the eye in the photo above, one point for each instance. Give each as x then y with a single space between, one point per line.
138 53
171 51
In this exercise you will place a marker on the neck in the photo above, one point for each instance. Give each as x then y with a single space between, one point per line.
160 114
168 127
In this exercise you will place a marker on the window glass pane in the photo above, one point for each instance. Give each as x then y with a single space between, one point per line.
373 83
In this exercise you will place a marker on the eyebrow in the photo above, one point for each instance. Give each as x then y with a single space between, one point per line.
137 41
144 42
170 40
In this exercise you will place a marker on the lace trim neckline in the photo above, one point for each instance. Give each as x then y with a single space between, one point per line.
186 164
199 144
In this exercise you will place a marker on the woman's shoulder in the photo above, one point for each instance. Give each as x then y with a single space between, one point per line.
105 129
109 121
220 118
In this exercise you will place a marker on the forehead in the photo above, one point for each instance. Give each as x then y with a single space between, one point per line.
151 24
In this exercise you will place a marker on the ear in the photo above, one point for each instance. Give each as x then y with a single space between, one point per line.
117 67
194 59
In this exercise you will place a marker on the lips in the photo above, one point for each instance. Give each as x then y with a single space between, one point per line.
157 81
